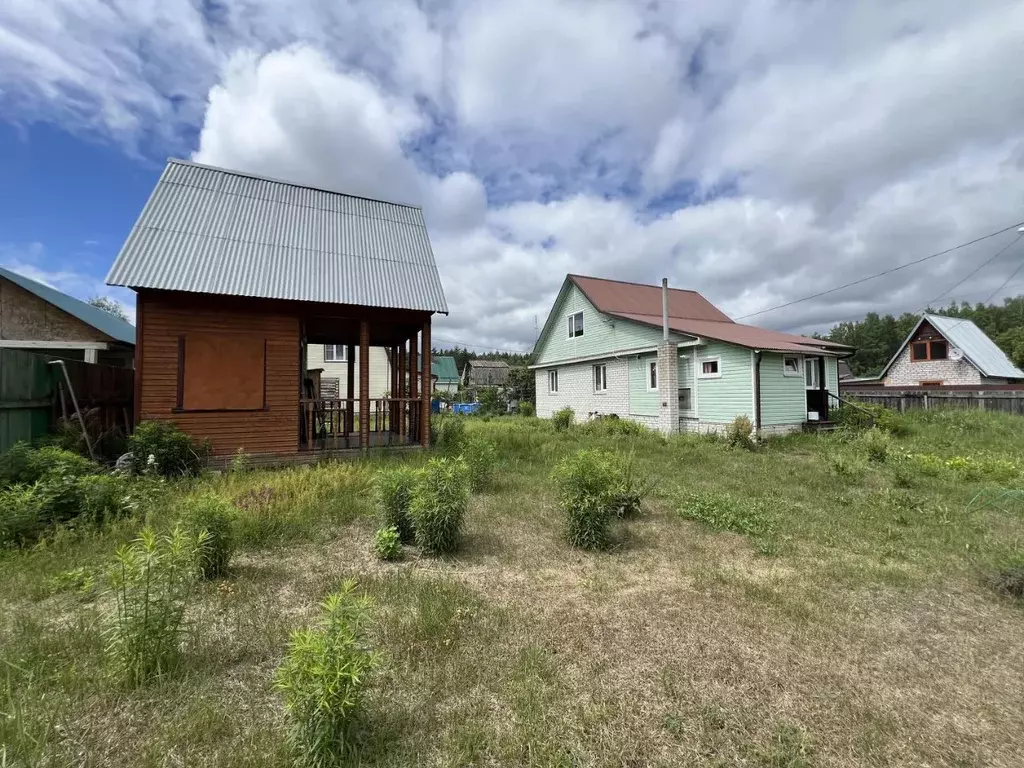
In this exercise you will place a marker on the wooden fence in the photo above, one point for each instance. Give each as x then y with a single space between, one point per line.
34 396
1005 400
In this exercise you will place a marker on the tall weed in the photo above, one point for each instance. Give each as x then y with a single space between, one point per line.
450 435
481 457
392 489
563 419
439 504
210 519
587 484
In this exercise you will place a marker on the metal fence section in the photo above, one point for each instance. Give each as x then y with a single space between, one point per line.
1007 401
26 397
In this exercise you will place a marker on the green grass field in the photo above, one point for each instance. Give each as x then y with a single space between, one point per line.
822 601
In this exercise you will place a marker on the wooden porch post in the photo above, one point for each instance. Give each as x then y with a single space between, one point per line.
401 391
425 421
413 388
350 425
392 407
823 388
364 385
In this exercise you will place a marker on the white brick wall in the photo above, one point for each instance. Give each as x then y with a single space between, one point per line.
668 388
905 373
576 390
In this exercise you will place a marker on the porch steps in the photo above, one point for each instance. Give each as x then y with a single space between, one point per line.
820 426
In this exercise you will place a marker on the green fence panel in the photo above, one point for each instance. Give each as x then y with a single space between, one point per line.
26 397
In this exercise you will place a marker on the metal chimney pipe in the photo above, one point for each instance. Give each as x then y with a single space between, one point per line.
664 309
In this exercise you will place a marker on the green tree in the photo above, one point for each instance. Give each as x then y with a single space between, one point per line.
110 305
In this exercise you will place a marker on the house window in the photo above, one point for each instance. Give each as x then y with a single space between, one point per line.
812 376
335 353
600 378
221 372
711 368
685 399
790 366
652 375
921 351
552 381
575 325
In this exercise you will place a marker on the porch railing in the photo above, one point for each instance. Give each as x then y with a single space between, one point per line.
333 422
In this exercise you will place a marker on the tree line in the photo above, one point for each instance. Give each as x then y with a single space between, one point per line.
878 337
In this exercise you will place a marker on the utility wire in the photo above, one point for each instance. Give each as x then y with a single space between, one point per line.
978 269
886 272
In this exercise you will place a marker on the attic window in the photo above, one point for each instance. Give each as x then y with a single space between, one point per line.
921 351
575 325
710 368
790 366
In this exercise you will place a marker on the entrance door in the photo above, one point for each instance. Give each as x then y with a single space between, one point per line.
817 397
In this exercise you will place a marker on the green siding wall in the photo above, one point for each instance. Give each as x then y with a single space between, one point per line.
723 399
601 335
783 398
642 402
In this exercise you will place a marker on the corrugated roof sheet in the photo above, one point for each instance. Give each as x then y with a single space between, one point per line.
444 368
976 346
210 230
99 319
487 364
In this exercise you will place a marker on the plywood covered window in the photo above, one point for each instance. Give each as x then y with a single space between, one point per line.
221 372
929 350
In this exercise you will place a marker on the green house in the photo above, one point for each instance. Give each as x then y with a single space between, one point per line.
605 350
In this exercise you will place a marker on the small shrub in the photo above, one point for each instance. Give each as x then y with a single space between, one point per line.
53 460
20 516
451 434
727 513
563 419
492 401
387 545
865 415
16 466
241 461
480 456
628 491
103 498
846 467
738 433
439 503
322 679
211 519
392 488
613 426
587 484
526 408
173 452
927 464
152 582
876 444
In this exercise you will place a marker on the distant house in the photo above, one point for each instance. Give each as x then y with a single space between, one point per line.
845 374
332 360
604 351
446 374
38 318
239 278
943 351
485 373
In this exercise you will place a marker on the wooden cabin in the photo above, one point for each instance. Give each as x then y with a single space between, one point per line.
236 275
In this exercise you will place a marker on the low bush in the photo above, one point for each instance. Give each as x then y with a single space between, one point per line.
588 483
613 426
153 581
439 503
728 513
323 679
23 465
563 419
103 498
241 461
738 433
392 489
481 457
159 447
628 490
865 415
450 434
876 444
387 545
21 520
526 408
16 466
846 466
210 519
927 464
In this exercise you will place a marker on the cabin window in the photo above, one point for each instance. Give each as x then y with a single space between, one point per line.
600 378
711 368
790 366
221 372
552 381
685 399
929 350
575 325
335 353
652 375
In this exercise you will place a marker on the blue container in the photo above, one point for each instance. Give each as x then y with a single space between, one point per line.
465 408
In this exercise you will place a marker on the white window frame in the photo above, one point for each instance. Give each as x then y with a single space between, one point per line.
691 409
599 376
799 365
652 373
813 363
700 368
572 325
553 381
333 358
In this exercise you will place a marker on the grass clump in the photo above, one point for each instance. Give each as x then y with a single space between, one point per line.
159 447
725 512
153 581
387 544
480 456
1007 577
846 467
588 484
392 489
867 415
21 520
876 444
613 426
450 437
526 408
210 519
563 419
323 679
439 503
739 433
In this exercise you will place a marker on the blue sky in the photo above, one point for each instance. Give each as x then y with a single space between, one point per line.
754 150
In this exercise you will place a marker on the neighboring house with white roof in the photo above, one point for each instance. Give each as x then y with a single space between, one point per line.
944 351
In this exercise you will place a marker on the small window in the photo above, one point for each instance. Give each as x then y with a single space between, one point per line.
790 366
929 350
919 350
652 375
938 350
600 378
552 381
335 353
575 325
812 374
685 399
711 368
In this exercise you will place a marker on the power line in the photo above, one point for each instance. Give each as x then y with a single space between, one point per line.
880 274
978 269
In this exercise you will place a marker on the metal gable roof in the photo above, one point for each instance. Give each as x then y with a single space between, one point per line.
976 346
211 230
99 319
444 367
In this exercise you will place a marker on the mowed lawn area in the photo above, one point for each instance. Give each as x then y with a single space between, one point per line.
825 600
